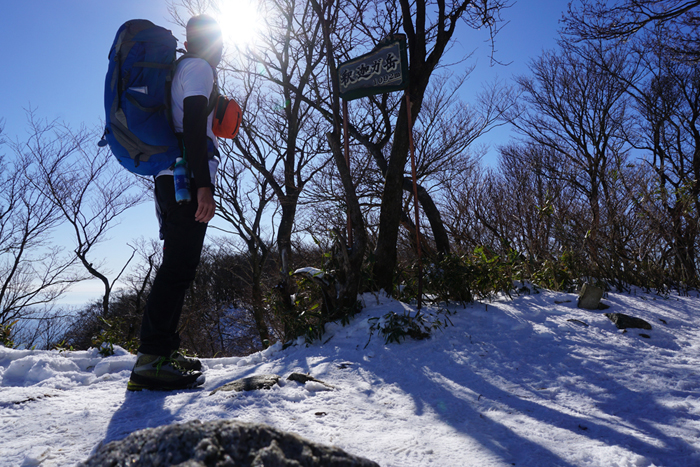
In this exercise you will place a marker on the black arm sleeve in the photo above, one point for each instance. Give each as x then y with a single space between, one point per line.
194 128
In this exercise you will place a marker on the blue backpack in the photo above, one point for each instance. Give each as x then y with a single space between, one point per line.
137 98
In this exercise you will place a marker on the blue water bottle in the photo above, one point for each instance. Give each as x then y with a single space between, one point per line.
182 181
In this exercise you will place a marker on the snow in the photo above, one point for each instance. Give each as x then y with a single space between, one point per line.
311 273
512 382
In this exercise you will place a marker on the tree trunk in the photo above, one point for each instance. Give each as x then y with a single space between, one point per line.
390 214
431 211
422 65
351 256
442 242
105 282
284 246
259 311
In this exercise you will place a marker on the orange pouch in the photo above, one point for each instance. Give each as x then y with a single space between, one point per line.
227 118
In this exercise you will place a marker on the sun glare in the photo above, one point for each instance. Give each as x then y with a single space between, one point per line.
240 22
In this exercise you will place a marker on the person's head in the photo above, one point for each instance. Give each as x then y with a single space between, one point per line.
204 39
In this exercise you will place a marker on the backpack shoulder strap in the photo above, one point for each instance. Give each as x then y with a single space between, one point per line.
169 87
215 93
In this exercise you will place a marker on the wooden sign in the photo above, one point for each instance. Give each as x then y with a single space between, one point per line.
383 70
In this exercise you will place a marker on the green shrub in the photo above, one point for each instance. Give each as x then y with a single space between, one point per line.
483 274
306 317
450 280
6 335
112 335
494 273
554 275
464 278
63 346
315 302
396 327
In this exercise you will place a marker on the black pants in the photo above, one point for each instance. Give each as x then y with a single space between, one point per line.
183 239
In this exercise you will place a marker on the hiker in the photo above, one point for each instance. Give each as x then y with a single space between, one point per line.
159 364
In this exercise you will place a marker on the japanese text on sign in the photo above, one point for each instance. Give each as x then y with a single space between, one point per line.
383 70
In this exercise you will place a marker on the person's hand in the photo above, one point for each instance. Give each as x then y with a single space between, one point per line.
207 205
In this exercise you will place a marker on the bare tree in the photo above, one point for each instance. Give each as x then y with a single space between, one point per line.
665 94
429 27
622 19
533 203
325 206
668 131
140 278
461 200
380 124
87 188
33 271
294 62
350 255
578 111
281 138
444 135
244 203
662 41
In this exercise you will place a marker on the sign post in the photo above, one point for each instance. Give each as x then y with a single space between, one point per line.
383 70
346 145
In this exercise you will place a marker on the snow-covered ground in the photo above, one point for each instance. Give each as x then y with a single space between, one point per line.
512 382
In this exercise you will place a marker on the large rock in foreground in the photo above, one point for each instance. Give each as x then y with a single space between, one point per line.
589 297
623 321
220 443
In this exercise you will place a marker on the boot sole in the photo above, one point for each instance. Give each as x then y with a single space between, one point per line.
153 385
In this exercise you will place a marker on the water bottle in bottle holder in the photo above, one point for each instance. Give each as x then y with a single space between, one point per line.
181 175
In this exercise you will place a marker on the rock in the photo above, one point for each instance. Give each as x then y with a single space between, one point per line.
625 321
303 379
250 383
578 321
220 443
590 296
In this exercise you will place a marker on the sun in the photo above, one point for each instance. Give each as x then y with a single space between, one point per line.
240 21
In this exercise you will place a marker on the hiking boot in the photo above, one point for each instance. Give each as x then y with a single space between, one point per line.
188 363
163 373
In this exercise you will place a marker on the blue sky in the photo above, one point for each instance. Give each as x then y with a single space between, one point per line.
55 52
54 59
55 56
